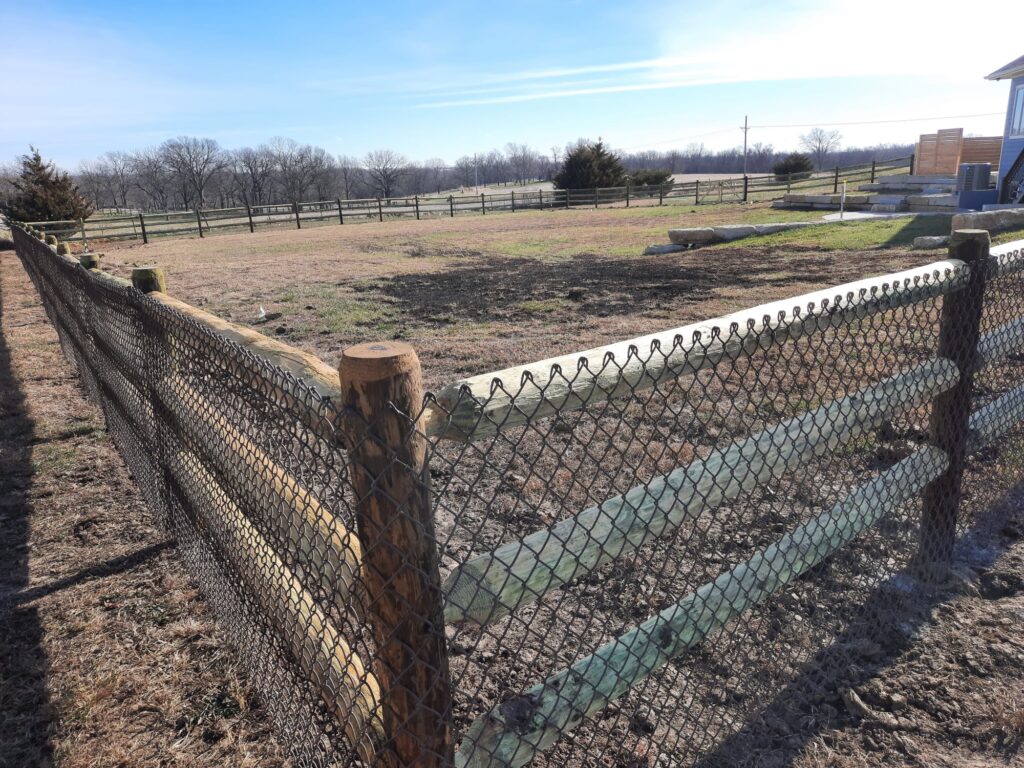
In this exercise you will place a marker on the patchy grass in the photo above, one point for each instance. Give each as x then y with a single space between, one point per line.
859 234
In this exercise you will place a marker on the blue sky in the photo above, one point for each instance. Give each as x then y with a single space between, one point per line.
444 79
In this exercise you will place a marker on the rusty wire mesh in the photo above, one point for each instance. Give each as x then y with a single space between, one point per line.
679 568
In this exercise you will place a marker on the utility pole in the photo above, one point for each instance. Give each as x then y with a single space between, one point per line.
745 129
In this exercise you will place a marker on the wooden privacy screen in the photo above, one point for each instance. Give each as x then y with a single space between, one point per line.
940 154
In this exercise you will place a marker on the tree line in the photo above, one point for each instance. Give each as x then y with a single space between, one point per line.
190 172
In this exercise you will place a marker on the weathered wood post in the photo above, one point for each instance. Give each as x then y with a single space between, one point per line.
873 168
382 392
451 206
835 183
89 260
380 211
597 194
295 210
696 192
746 187
948 426
341 213
541 199
417 207
483 207
199 222
248 213
149 279
142 225
913 157
627 194
513 201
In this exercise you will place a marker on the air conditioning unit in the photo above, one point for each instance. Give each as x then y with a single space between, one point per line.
973 177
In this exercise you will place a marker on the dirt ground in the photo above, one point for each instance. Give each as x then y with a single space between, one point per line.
108 654
482 293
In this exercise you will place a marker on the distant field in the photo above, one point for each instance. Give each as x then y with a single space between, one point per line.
479 293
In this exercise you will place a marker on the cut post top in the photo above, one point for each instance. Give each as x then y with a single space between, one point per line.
89 260
149 279
960 236
377 361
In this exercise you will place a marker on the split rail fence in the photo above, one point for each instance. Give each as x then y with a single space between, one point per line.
614 557
143 226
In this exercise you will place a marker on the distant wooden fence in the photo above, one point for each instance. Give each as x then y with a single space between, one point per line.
942 153
289 546
145 226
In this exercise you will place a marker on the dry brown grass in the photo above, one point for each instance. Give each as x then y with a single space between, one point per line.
480 293
108 654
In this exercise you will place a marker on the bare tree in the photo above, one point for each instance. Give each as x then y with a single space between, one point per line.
820 143
385 168
153 178
118 167
523 161
253 170
93 181
350 177
194 162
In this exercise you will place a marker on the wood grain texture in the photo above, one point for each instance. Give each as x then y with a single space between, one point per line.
520 572
327 552
479 407
382 385
514 732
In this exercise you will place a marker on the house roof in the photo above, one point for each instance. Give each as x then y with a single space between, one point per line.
1014 69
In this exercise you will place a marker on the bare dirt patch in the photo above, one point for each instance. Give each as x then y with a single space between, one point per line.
108 654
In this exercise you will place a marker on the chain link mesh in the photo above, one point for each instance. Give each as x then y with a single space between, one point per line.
670 555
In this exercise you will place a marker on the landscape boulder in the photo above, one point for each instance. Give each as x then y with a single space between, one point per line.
657 250
692 235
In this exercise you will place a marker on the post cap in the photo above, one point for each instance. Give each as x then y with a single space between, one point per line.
149 279
377 361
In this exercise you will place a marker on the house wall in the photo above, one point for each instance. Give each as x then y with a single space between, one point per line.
1011 147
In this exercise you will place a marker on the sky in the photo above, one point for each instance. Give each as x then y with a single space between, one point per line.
444 79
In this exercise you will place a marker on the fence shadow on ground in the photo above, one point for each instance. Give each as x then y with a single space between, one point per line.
25 710
888 623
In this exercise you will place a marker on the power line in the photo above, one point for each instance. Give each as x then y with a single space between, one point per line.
811 125
878 122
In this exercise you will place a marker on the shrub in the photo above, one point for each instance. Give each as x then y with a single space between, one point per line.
795 166
43 193
587 166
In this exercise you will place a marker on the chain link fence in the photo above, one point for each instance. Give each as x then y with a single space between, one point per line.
663 552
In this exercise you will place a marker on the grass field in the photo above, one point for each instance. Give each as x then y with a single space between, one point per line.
480 293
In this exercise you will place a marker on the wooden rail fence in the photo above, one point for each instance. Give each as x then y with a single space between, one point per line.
402 695
202 222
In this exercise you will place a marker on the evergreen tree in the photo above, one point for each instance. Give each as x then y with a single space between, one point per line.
43 193
587 166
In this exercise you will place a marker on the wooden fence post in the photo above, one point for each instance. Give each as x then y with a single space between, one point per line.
873 168
451 206
483 209
199 221
382 391
142 224
627 195
295 209
541 198
835 183
417 207
248 213
597 193
696 192
149 279
341 213
913 157
951 411
746 187
380 211
513 201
